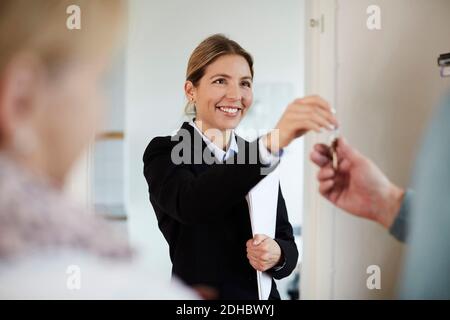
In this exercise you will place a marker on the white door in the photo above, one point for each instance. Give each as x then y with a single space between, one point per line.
384 84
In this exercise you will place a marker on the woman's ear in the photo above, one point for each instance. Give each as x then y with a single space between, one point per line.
19 83
190 91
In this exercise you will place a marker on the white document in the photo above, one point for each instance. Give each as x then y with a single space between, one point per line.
262 203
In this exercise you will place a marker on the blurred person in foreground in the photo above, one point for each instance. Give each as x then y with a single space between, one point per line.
419 216
50 108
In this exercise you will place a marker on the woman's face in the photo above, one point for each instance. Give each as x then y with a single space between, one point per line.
224 93
74 112
58 112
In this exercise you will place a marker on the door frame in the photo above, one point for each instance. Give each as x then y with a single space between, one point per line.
318 263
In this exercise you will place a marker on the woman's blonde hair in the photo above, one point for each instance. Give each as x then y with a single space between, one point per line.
40 27
206 53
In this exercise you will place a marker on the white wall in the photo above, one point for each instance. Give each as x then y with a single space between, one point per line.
387 83
162 34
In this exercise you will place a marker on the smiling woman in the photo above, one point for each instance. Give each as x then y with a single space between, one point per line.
208 84
201 206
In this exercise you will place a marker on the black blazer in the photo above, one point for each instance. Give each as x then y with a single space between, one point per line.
203 214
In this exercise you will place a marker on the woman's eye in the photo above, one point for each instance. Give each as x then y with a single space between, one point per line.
247 84
219 81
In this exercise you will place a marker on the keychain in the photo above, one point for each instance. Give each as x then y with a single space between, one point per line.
334 144
333 148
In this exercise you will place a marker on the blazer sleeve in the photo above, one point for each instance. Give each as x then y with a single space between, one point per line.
284 236
188 198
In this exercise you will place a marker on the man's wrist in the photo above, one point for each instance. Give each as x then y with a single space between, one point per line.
392 206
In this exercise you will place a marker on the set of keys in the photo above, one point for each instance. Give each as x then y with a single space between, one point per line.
333 148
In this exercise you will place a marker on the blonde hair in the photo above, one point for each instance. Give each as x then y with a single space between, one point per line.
39 27
206 53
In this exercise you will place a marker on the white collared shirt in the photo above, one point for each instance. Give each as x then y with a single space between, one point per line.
219 153
266 157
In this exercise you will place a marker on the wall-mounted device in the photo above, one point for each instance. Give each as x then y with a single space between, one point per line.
444 64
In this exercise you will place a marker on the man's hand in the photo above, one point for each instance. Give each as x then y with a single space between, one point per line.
263 252
358 186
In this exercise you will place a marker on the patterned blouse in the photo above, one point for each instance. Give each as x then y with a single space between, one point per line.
36 217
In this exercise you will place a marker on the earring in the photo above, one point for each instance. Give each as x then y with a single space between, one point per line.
194 107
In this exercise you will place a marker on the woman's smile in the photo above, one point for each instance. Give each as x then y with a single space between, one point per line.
229 111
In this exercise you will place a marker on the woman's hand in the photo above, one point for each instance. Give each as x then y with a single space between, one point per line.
301 116
263 252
